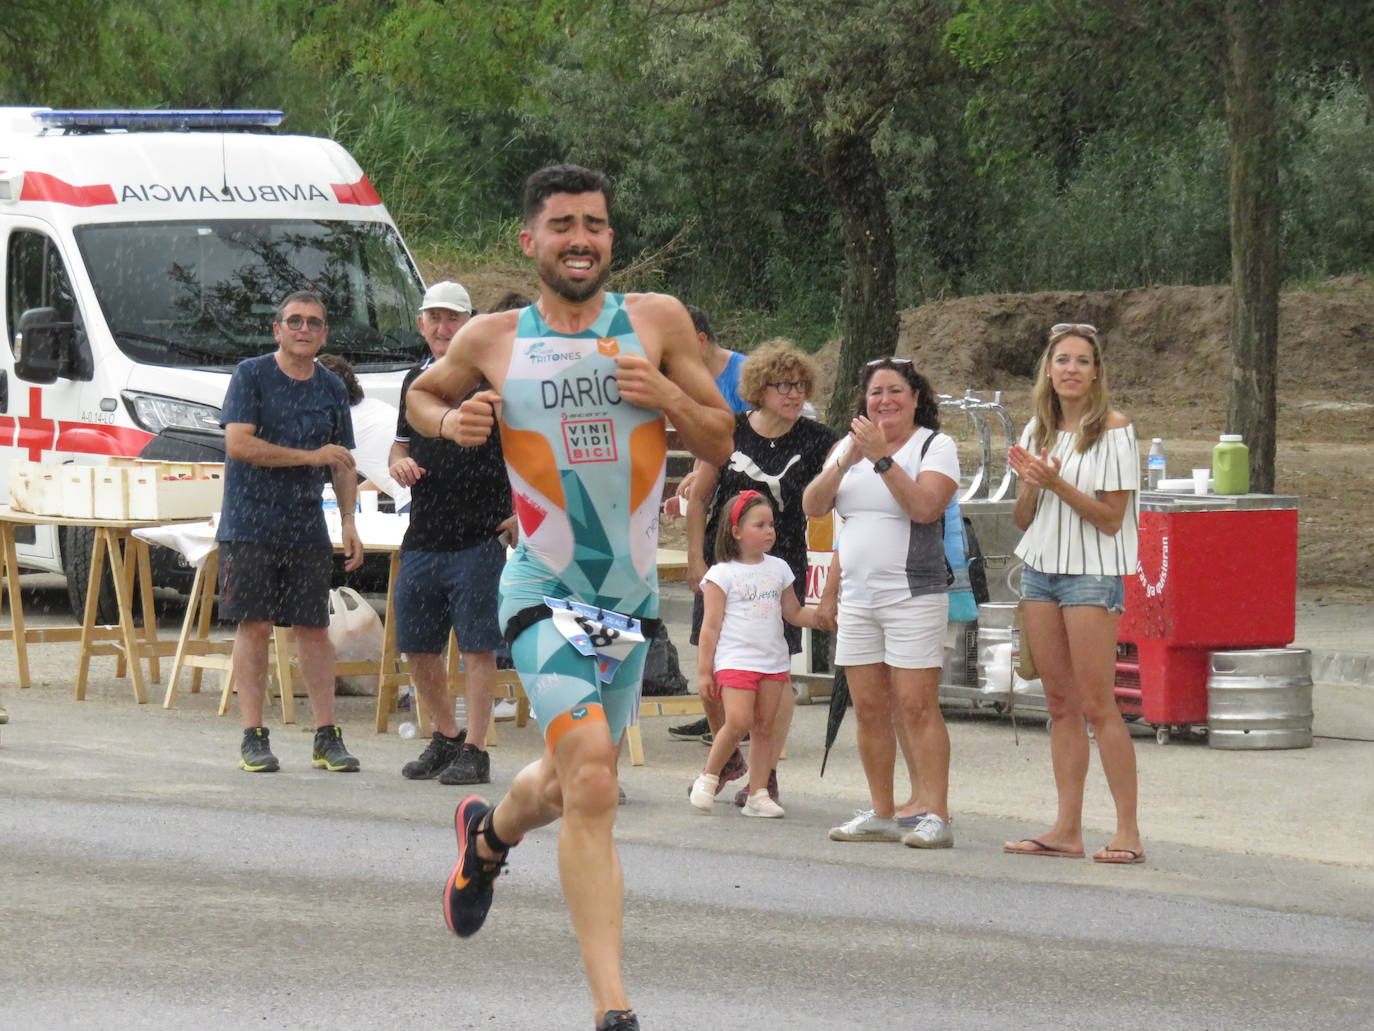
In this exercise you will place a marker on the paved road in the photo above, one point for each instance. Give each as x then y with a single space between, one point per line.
149 884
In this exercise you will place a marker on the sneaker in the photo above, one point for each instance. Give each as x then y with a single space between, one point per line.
742 795
255 754
467 896
910 823
931 832
619 1020
330 753
759 804
693 731
437 754
470 766
866 826
735 767
703 792
4 715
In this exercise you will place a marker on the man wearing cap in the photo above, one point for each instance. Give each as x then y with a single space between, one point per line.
451 561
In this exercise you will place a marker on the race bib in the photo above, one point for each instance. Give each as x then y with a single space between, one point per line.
597 633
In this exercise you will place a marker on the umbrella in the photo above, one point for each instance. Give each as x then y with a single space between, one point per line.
839 702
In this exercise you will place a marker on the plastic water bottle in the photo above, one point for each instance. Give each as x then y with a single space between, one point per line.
1155 464
407 730
329 500
460 709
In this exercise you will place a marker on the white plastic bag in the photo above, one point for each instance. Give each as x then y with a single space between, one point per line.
355 630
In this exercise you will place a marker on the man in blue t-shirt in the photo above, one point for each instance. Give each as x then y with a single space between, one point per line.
286 428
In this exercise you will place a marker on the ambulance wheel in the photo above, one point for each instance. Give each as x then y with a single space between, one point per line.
1162 735
76 544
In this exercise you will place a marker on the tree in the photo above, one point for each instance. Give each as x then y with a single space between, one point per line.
827 75
1223 52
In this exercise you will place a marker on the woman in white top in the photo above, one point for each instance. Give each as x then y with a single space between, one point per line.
1079 468
891 480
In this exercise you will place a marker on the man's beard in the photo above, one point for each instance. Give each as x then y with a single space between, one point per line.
551 274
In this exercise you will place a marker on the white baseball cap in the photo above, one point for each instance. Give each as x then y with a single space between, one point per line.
447 294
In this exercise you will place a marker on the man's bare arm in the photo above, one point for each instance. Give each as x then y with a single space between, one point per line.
439 388
684 391
241 442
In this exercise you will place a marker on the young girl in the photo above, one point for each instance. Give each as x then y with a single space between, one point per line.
743 657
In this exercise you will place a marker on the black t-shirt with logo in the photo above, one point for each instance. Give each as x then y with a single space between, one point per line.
463 495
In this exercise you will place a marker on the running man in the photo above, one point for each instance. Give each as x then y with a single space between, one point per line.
580 383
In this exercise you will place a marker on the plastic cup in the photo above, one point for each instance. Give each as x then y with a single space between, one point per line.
367 500
1200 478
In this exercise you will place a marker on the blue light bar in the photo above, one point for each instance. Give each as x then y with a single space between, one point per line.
88 120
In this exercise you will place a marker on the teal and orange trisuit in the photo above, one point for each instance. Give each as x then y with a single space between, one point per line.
586 469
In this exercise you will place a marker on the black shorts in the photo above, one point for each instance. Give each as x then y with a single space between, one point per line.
791 634
268 583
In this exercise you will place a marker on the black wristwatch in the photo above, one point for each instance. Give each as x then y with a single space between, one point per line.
882 465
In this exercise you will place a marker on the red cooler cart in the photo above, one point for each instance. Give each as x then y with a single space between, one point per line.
1216 573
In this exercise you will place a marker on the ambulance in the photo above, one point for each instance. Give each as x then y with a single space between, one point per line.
142 254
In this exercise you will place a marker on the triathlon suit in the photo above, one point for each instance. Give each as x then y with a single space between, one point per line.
586 470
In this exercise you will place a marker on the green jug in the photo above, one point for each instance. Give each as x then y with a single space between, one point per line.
1231 466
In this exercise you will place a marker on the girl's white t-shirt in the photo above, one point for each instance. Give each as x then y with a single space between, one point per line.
751 636
885 557
1058 539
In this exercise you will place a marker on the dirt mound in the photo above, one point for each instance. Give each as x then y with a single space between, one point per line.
1158 341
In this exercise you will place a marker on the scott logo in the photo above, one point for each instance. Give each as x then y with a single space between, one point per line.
580 713
608 346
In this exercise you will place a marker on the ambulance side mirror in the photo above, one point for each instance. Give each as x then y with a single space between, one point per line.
38 345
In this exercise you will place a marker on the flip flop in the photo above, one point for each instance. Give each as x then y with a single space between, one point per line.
1039 848
1104 855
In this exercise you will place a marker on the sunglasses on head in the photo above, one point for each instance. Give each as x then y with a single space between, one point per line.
1076 328
887 361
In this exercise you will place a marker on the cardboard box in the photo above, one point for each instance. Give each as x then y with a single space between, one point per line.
112 492
151 495
78 491
21 471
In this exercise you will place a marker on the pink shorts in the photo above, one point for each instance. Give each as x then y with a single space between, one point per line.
747 680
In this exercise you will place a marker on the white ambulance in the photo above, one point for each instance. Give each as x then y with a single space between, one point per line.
141 256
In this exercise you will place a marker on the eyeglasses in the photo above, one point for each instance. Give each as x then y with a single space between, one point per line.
887 361
310 322
789 386
1073 327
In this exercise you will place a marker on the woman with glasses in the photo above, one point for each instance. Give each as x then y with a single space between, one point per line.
1079 470
891 480
776 452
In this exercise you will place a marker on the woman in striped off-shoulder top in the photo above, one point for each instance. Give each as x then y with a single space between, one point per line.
1079 468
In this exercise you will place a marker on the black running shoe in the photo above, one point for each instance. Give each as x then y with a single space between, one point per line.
437 755
330 753
619 1020
467 895
255 754
470 765
693 731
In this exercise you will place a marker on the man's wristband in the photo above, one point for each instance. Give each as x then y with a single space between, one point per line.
441 422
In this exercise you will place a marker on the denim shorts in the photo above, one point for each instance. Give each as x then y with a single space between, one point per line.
1107 592
439 590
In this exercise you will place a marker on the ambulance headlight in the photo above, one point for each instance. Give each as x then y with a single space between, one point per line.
155 413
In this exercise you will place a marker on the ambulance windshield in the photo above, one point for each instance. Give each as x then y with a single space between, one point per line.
205 293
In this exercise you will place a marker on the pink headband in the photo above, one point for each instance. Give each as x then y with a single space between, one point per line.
740 502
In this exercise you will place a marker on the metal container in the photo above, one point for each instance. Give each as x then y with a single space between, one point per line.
1260 699
961 655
